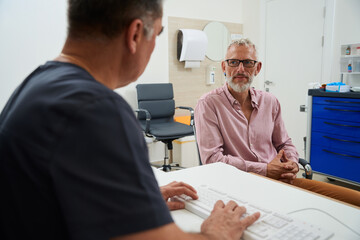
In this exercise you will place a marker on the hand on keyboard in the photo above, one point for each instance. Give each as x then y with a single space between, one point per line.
225 221
175 189
271 225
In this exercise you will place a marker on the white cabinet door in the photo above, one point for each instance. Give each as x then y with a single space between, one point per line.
293 57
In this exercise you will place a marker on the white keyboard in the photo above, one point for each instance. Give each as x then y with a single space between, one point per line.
270 225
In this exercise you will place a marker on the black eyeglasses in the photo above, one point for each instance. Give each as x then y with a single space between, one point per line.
247 63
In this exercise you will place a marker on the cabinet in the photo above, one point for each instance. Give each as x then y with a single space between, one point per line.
353 58
334 147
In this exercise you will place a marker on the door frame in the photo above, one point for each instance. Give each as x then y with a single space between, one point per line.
328 42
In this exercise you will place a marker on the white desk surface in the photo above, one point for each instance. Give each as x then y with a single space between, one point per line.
280 197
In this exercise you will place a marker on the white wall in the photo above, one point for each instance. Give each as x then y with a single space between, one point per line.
34 31
31 32
346 30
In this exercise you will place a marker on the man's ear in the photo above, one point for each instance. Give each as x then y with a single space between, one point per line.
134 33
258 68
223 66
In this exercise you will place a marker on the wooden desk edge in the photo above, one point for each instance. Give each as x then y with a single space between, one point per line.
305 190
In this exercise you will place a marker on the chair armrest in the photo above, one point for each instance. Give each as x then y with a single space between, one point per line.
191 113
306 165
148 118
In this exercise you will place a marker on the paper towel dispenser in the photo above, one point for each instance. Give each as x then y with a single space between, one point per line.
191 47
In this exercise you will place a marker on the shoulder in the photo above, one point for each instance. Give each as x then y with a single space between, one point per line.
212 97
67 84
265 98
215 93
65 93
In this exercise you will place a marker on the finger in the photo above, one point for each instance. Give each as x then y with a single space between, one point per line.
288 167
187 186
285 158
292 167
183 190
280 154
296 166
171 191
240 210
175 205
288 175
181 184
219 204
250 219
295 170
171 184
231 205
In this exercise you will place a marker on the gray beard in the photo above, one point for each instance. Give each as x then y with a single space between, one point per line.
236 87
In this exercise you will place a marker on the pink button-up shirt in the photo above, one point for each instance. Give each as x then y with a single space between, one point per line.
225 135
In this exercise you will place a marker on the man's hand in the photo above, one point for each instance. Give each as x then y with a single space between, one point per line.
291 166
224 221
175 189
282 169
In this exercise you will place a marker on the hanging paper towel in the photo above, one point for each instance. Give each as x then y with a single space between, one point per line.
191 47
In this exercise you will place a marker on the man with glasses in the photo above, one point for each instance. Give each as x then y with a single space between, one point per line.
241 126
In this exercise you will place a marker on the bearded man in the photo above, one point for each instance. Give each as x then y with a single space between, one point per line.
241 126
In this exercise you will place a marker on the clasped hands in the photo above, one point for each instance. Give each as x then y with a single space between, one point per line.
282 169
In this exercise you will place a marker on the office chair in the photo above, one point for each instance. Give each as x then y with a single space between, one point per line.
156 109
308 174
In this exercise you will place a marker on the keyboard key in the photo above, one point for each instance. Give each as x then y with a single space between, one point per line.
259 230
283 217
260 208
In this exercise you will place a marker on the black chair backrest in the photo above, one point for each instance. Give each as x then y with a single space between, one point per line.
157 99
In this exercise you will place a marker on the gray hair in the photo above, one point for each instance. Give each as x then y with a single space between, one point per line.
148 22
243 42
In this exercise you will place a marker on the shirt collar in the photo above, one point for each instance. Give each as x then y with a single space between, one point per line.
232 100
230 97
254 98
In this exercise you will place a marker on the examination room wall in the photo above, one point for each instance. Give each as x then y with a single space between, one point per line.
33 32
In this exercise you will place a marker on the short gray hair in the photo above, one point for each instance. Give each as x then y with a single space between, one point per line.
243 42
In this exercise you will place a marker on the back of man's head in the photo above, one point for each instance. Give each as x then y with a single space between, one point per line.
107 19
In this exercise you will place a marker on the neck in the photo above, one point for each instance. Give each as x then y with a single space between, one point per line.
242 97
97 59
74 60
